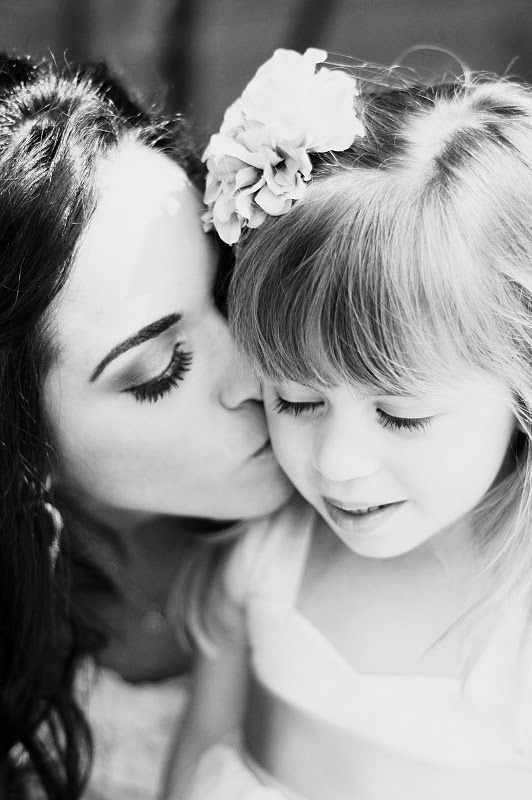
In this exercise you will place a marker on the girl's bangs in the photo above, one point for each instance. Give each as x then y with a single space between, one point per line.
379 290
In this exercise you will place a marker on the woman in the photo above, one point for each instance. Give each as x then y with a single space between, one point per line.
122 400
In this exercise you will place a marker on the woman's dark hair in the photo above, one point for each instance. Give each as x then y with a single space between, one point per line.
55 125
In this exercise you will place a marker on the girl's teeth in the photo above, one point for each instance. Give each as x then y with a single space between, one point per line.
361 511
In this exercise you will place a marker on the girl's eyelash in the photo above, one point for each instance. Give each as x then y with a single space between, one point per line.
286 407
154 390
283 406
403 423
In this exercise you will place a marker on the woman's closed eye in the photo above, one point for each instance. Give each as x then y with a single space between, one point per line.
153 390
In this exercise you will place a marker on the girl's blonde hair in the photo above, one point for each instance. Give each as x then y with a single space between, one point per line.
409 249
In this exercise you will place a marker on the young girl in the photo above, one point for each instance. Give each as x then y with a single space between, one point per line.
373 641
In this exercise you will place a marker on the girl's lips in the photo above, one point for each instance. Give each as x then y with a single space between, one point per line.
361 519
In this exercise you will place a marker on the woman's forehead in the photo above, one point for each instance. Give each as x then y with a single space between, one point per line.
143 256
133 166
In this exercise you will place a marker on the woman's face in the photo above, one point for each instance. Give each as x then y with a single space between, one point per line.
149 407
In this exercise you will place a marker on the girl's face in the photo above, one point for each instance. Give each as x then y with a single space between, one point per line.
149 408
388 473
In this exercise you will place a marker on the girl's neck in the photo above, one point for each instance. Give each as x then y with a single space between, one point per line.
453 549
405 612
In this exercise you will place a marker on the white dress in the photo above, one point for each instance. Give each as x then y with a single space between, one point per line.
132 725
316 729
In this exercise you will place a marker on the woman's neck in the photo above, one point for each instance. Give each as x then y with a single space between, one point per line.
135 532
141 556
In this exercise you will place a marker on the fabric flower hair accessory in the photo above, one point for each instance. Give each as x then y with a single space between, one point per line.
258 164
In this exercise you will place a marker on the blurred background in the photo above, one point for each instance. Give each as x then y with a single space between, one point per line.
200 53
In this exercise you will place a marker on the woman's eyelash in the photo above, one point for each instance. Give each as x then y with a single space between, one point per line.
154 390
403 423
286 407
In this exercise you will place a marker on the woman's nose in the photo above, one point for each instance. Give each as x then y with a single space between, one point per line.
341 454
239 383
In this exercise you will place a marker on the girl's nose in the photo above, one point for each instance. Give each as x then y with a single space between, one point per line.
341 454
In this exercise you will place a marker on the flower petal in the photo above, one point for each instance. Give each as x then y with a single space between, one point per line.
229 231
246 177
244 205
207 221
223 208
223 146
257 217
269 202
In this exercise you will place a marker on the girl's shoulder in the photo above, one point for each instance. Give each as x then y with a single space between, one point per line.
265 558
271 552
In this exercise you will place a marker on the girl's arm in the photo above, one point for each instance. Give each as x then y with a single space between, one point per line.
216 706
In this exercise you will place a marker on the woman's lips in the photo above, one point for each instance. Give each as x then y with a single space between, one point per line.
266 447
360 519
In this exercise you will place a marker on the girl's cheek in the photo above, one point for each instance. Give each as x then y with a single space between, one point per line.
275 428
283 440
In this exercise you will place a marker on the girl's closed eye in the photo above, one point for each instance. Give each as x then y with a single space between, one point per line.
386 419
403 423
283 406
153 390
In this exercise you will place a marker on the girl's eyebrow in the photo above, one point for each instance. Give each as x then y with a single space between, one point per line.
150 331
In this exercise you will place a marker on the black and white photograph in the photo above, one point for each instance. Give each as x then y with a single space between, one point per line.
265 400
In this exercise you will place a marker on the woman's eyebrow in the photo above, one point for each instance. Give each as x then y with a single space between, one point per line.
150 331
